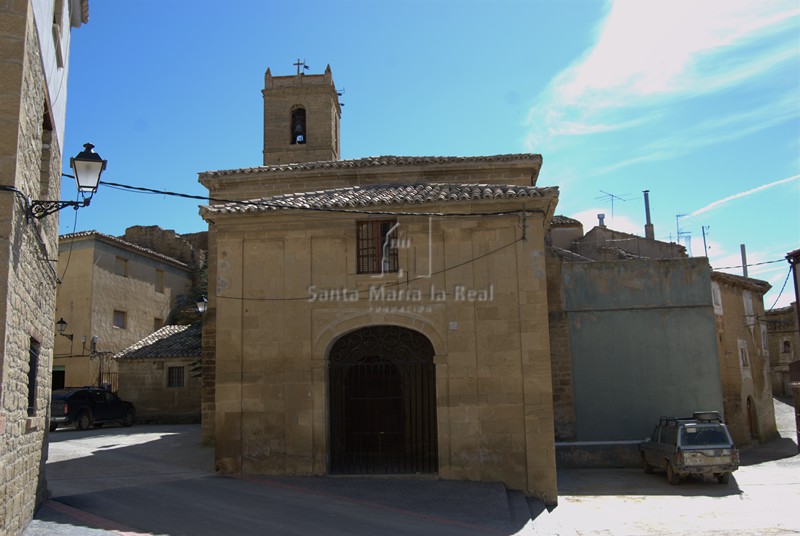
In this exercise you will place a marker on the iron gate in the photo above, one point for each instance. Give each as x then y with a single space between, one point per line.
383 403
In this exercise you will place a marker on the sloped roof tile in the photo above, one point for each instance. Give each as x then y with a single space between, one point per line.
384 194
169 341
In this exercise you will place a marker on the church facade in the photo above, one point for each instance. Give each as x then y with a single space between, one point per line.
382 315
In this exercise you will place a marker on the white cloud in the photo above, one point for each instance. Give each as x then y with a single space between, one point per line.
651 53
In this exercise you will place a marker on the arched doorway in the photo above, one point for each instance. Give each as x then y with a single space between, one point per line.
382 393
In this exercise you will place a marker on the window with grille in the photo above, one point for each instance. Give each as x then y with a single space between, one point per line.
33 371
377 246
175 377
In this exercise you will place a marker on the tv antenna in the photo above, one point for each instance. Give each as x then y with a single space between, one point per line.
686 235
612 198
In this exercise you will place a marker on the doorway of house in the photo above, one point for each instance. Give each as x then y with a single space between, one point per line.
382 393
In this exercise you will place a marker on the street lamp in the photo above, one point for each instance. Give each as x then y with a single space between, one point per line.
61 325
202 304
88 166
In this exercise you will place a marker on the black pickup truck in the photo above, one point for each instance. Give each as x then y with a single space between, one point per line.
88 406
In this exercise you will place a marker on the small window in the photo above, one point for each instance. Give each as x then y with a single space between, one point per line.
120 319
175 377
377 246
764 339
743 356
749 317
716 297
33 372
787 347
121 267
298 134
159 283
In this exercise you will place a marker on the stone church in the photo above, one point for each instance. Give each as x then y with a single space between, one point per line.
381 315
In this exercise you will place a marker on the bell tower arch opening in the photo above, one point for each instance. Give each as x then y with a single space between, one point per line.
382 394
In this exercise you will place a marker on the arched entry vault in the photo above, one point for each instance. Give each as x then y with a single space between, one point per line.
382 394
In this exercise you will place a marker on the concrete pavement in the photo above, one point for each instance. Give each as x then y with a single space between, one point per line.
160 480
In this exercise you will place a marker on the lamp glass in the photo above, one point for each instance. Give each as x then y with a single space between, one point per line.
61 325
202 304
88 167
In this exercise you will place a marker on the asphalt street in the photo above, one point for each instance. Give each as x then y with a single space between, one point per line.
158 479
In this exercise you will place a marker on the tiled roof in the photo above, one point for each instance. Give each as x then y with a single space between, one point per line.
563 220
375 161
747 282
385 194
122 243
169 341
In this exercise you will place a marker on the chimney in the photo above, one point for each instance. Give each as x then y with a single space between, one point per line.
649 233
602 220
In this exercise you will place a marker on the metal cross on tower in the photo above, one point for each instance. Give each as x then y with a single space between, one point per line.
299 64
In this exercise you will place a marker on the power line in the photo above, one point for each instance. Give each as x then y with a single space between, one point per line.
277 205
391 284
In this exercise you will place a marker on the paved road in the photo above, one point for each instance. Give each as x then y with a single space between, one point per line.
160 480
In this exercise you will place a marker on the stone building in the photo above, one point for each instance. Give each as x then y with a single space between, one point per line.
784 342
639 330
378 315
34 64
113 293
744 357
160 375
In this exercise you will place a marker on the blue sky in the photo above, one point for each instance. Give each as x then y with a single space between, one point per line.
697 102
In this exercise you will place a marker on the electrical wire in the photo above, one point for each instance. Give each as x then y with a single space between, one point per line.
391 284
782 288
277 205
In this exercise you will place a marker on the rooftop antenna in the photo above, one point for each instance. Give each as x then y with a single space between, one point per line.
705 228
612 197
299 64
686 235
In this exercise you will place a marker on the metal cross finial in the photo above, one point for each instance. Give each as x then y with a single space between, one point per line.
299 64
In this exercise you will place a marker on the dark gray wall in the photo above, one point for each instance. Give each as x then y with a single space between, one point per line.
644 344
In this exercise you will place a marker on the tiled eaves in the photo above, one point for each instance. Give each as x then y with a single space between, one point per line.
748 283
356 197
559 220
124 244
169 341
379 161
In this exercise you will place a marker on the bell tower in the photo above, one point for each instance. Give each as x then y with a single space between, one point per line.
301 117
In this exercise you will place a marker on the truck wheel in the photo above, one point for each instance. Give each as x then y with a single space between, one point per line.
724 478
646 466
84 421
128 418
672 477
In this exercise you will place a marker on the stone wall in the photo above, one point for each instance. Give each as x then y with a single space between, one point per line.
30 162
746 383
784 346
493 379
143 381
560 355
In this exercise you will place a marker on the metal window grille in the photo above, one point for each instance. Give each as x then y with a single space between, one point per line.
377 250
175 377
33 370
